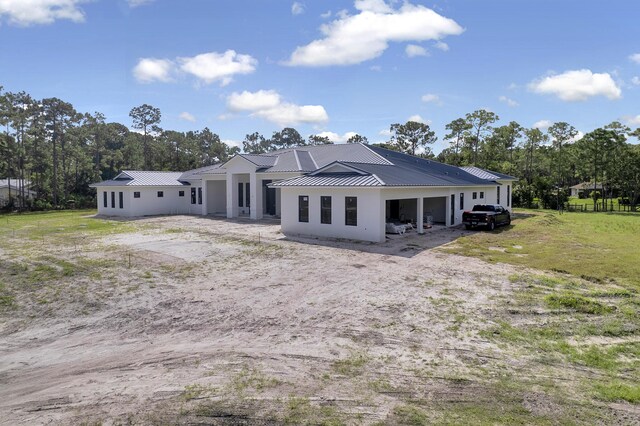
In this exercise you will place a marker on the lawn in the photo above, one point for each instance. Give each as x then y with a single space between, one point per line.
596 246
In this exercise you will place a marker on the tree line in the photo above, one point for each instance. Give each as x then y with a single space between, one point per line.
60 151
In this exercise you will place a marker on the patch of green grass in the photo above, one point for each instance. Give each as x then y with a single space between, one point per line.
410 416
252 379
596 245
618 390
577 303
300 411
7 300
351 366
196 391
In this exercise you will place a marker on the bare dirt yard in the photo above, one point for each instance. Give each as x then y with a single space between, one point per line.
190 320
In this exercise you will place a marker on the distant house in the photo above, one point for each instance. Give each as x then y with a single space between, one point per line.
577 190
10 190
340 191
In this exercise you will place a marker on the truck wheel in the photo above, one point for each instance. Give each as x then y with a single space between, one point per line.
509 221
492 226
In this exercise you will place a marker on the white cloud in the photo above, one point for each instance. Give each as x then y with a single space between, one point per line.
354 39
213 67
326 15
512 86
136 3
187 117
636 80
578 85
413 50
297 8
418 119
253 101
430 97
232 142
268 104
149 70
632 121
335 137
376 6
508 101
442 46
577 137
33 12
385 132
376 68
542 124
635 58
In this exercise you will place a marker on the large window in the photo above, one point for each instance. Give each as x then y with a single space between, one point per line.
200 195
482 195
121 199
325 210
462 201
247 194
113 200
498 195
508 194
104 199
303 208
475 196
193 195
240 194
351 211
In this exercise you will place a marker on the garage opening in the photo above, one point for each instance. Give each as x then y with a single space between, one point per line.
402 211
435 210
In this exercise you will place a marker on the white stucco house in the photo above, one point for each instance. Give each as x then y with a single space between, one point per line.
340 191
14 188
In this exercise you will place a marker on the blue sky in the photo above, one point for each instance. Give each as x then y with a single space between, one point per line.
328 67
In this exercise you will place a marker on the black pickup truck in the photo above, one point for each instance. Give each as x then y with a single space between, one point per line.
488 215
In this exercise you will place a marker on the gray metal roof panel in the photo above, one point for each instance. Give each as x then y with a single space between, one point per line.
331 179
485 174
143 178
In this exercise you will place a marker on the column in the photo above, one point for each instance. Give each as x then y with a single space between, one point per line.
256 208
232 202
204 196
420 218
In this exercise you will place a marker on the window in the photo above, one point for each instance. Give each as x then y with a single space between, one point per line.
303 208
475 195
325 210
462 201
136 195
240 194
113 200
351 211
481 195
104 198
498 195
508 194
121 200
200 195
180 193
247 194
193 195
160 194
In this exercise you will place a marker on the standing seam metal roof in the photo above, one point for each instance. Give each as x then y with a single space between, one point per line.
143 178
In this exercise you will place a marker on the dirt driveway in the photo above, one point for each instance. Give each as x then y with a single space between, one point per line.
216 321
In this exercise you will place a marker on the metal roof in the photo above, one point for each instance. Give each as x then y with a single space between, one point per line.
15 183
331 179
261 160
486 174
143 178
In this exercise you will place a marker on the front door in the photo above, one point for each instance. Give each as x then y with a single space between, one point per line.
269 198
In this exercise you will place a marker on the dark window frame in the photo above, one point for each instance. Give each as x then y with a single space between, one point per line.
193 195
240 194
113 199
508 194
482 195
303 208
325 209
180 193
199 195
497 195
160 194
462 201
474 196
105 199
247 195
351 211
136 194
121 199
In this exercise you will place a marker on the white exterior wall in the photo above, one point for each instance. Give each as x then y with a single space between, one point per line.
149 203
370 225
